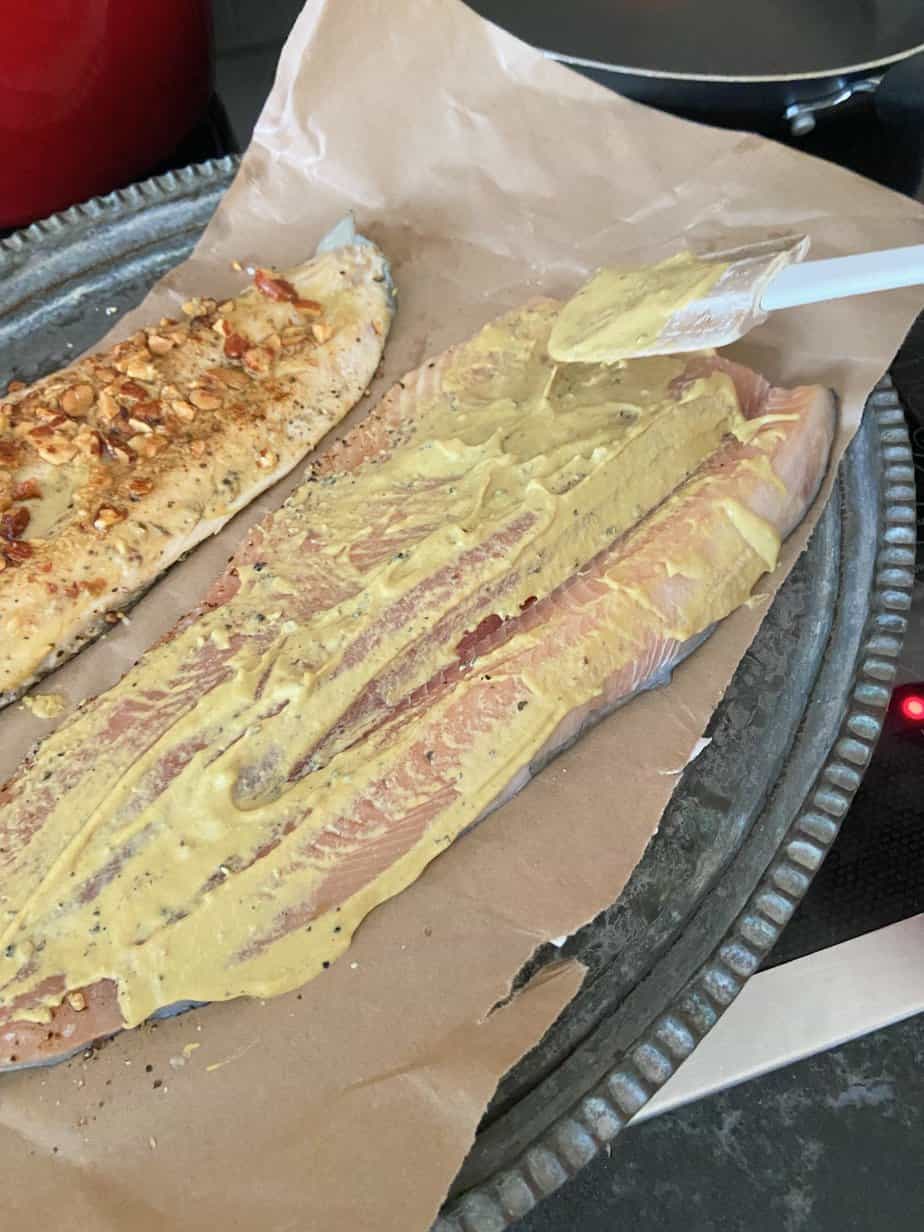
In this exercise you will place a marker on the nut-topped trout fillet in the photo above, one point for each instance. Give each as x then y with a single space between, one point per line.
501 553
112 469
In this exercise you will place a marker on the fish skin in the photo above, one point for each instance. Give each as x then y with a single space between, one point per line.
799 456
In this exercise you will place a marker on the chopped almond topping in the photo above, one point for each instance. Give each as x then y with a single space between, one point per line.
56 449
322 331
183 409
266 459
77 399
140 369
274 287
197 448
131 389
159 344
89 441
204 401
108 407
198 307
147 446
258 360
13 524
17 551
26 489
107 516
235 345
139 486
232 377
309 306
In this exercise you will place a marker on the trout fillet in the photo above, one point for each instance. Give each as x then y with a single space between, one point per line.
114 468
497 557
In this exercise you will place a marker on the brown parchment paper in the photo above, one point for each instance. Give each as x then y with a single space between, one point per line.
487 174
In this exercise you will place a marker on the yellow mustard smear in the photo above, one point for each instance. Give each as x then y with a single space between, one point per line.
186 879
622 310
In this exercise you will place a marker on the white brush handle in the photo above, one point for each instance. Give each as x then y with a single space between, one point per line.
814 281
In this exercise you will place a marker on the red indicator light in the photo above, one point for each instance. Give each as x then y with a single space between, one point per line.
913 708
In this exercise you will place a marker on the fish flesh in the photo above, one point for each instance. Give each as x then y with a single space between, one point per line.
112 469
500 554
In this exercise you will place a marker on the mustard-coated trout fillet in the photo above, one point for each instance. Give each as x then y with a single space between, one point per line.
500 554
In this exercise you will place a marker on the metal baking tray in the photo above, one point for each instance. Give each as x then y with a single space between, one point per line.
750 820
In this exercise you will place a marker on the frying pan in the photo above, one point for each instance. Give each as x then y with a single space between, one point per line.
840 78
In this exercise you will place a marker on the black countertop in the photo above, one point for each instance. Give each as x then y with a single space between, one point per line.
831 1143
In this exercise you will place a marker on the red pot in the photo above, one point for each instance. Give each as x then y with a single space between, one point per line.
93 94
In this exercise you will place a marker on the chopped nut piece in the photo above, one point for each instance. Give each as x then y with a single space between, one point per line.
273 343
233 377
140 486
236 266
322 331
107 516
26 489
274 287
266 459
76 1000
17 551
13 524
78 399
15 386
57 449
226 307
89 441
204 401
198 307
108 407
159 344
114 449
131 389
309 306
141 369
183 409
235 345
292 335
258 359
138 425
147 446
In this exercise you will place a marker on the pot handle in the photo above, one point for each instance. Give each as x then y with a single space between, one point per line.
801 116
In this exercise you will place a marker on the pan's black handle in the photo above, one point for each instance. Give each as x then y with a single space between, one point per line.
898 94
801 115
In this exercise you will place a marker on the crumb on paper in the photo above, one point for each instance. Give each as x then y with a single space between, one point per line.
111 310
236 266
46 705
227 1061
152 1143
188 1049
